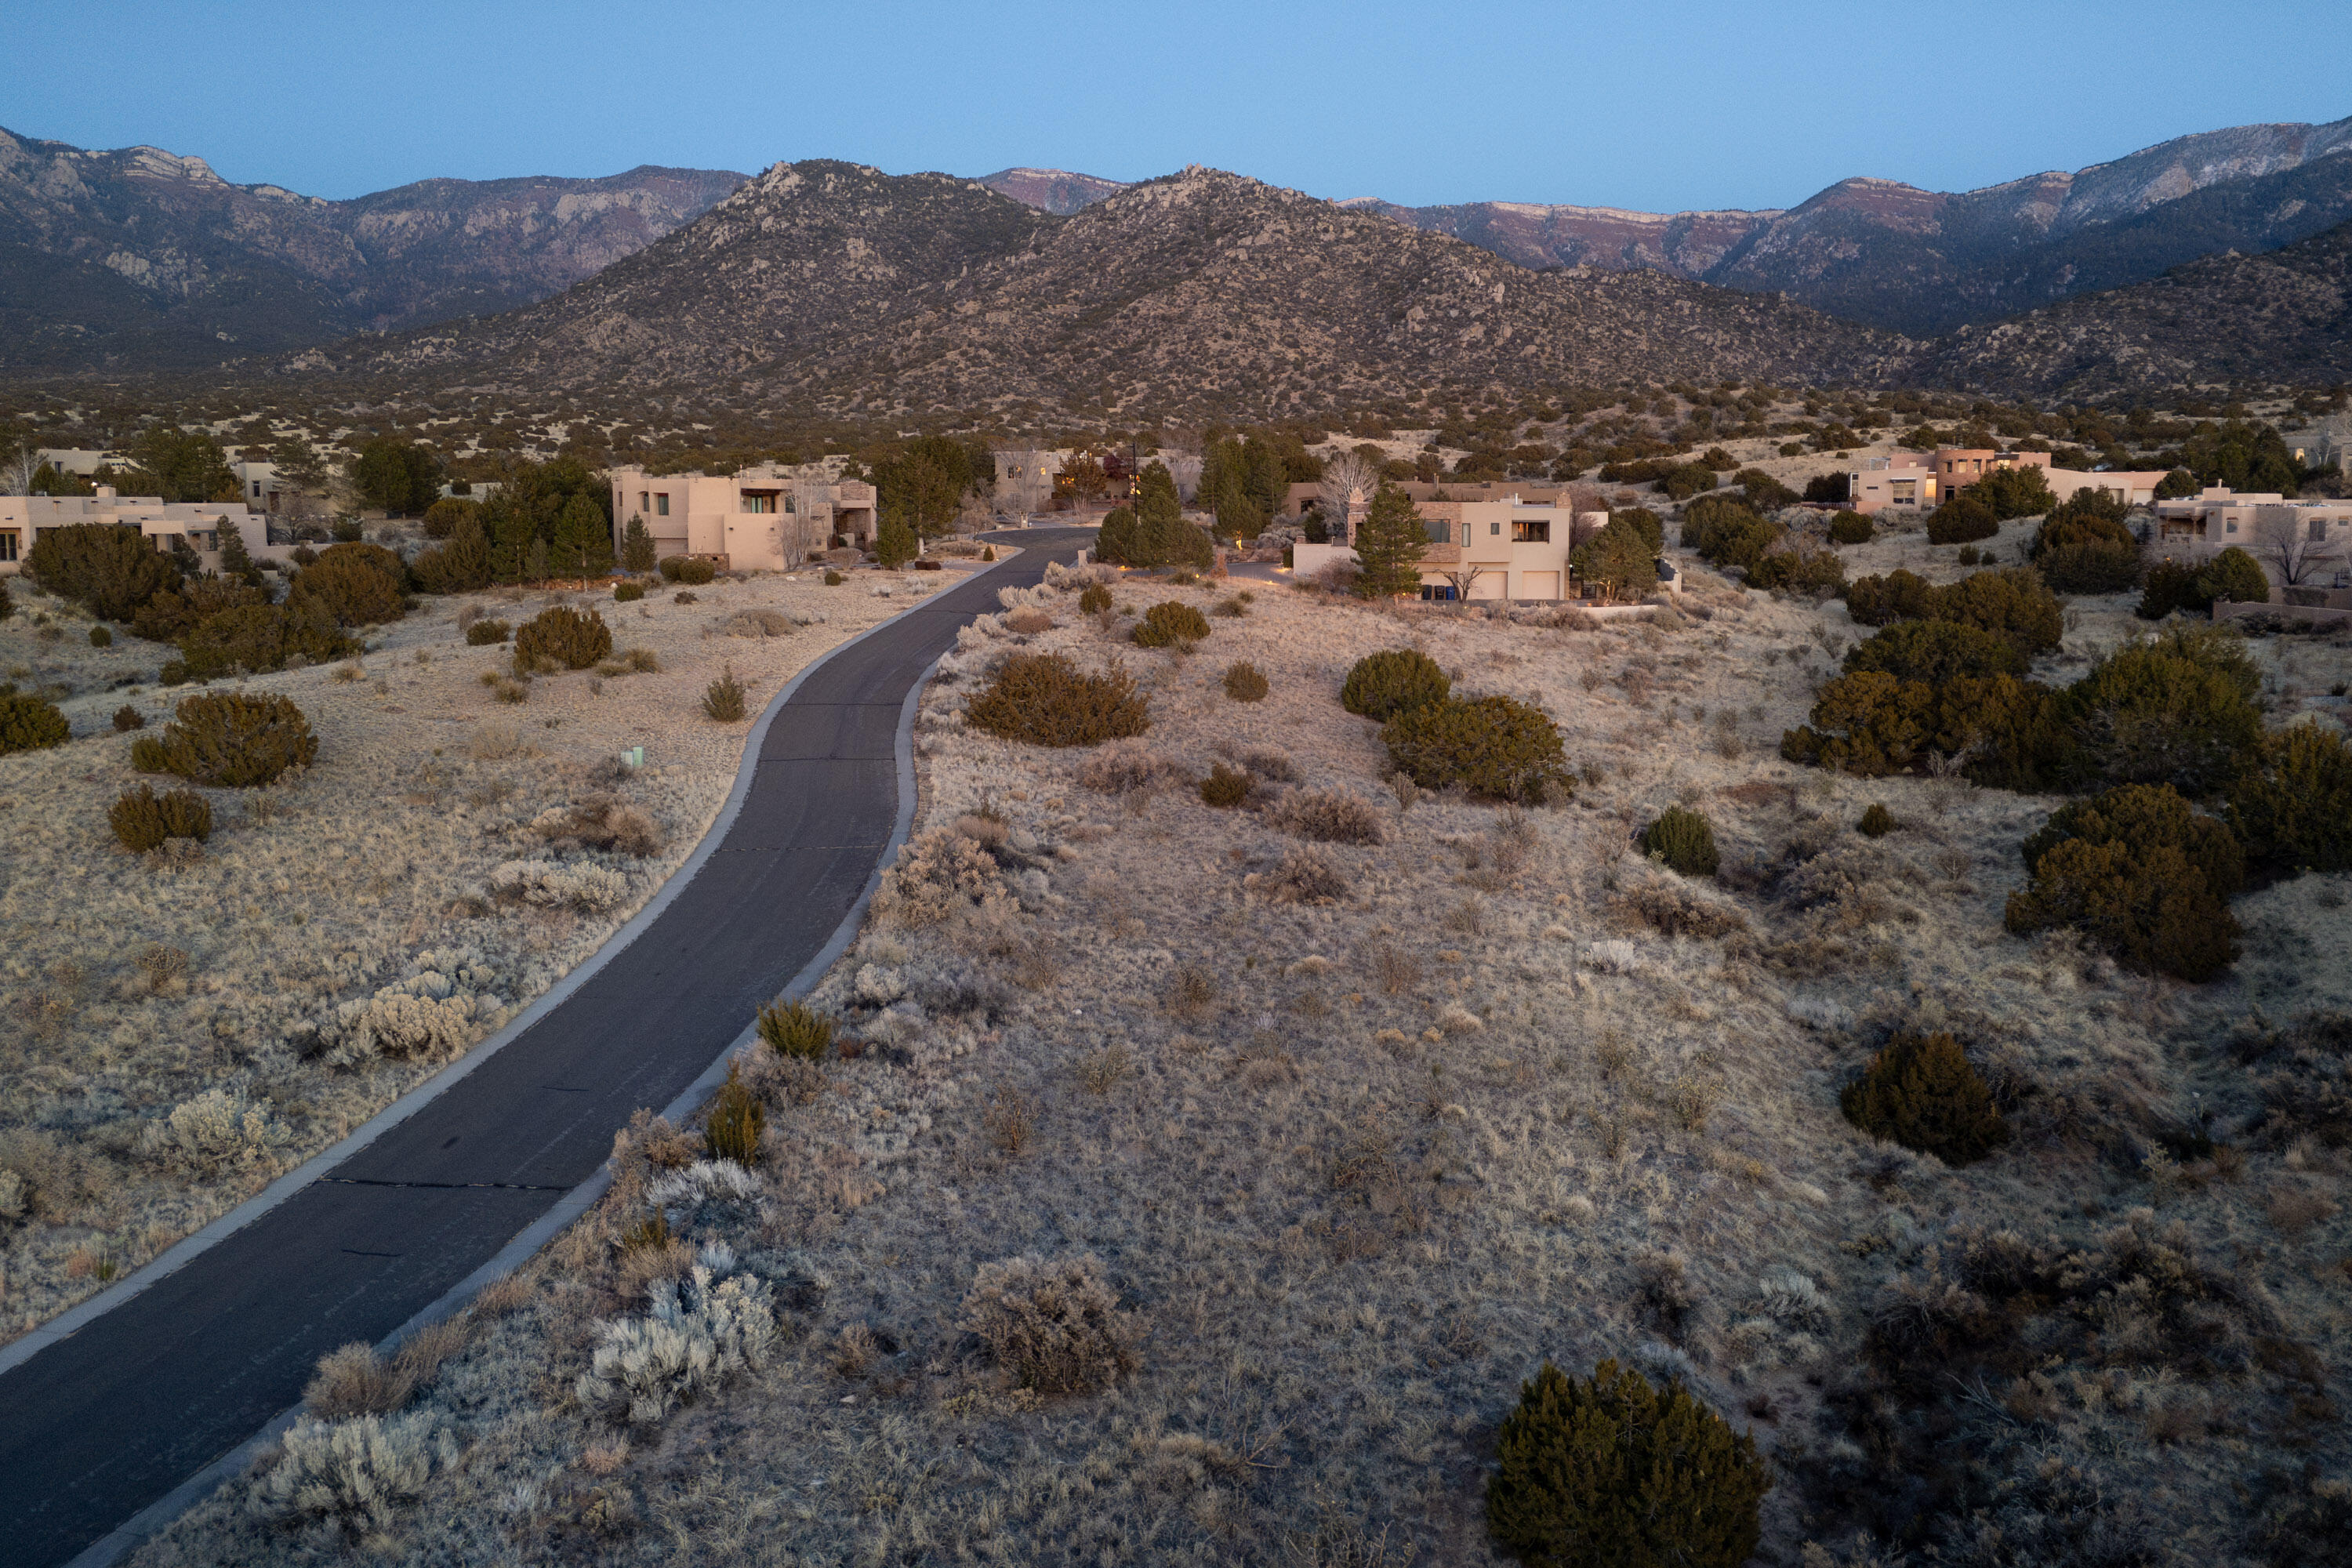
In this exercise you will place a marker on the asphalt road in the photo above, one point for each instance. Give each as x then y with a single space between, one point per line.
100 1425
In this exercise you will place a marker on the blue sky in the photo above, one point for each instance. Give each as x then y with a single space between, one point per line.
1664 105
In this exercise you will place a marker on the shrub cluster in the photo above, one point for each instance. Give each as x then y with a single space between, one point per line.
1245 682
142 819
1920 1092
2011 601
1610 1469
2232 577
487 634
2290 802
230 740
726 699
628 592
355 584
1226 785
797 1029
175 612
1492 746
1170 621
1961 520
1095 600
691 570
1046 700
1728 531
1327 817
2021 491
561 637
2085 546
1054 1326
1685 840
1382 685
29 723
1802 571
107 569
1850 528
737 1118
2139 874
257 638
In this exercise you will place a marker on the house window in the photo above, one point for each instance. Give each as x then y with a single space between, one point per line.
759 500
1532 530
257 487
644 502
1439 530
2318 529
1495 529
2229 528
661 504
8 544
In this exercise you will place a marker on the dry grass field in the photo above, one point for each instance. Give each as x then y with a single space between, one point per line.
1323 1146
185 1027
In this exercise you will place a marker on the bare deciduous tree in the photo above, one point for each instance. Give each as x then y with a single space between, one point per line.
2283 542
1185 469
1462 577
1024 479
1348 485
806 525
16 472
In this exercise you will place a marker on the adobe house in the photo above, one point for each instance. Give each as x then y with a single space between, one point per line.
768 517
1925 479
2315 536
170 524
1511 548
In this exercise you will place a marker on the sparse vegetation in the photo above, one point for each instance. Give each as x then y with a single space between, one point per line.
1046 699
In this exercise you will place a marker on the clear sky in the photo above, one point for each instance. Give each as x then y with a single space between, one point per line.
1667 104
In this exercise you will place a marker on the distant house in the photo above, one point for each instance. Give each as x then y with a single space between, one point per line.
2310 540
765 517
170 524
1301 498
1924 480
83 461
1508 548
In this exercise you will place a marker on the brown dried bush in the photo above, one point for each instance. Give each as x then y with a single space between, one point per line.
1328 817
1124 766
1028 621
1055 1327
1307 875
356 1380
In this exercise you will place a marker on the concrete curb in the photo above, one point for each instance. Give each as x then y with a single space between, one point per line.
112 1546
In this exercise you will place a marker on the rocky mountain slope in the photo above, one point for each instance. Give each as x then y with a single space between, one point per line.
1918 261
142 258
828 289
2282 317
1056 191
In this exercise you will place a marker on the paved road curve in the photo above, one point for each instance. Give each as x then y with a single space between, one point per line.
98 1425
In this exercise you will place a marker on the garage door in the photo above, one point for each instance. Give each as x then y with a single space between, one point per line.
1489 583
1538 585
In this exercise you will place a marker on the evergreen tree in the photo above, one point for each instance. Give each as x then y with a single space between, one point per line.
895 545
1162 537
507 525
637 546
236 560
1116 541
534 561
466 559
1389 541
583 537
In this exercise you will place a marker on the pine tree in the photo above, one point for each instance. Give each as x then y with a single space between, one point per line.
466 559
583 537
507 525
895 545
534 561
236 560
637 546
1388 540
1162 537
1116 541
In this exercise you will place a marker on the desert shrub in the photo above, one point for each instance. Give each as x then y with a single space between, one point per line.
2171 585
1961 521
627 592
1610 1469
1685 840
691 570
1170 622
1816 572
1673 907
353 1379
2013 602
1245 682
29 723
2021 491
1328 817
1850 528
1046 700
797 1030
600 821
487 634
142 819
1899 595
107 569
1495 747
2290 802
2178 710
1710 518
1226 785
2232 577
1126 765
1921 1092
2139 874
1095 600
148 756
1877 822
1872 723
1382 685
697 1334
357 584
561 637
1684 482
129 718
551 884
1306 875
1935 652
442 518
737 1118
217 1130
1028 620
2091 567
1054 1326
1764 493
235 739
175 612
834 579
101 637
724 699
257 638
357 1473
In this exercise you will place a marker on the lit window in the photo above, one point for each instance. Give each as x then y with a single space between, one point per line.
8 544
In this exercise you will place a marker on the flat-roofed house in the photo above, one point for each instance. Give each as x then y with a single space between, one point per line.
1923 479
768 517
196 524
1510 548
